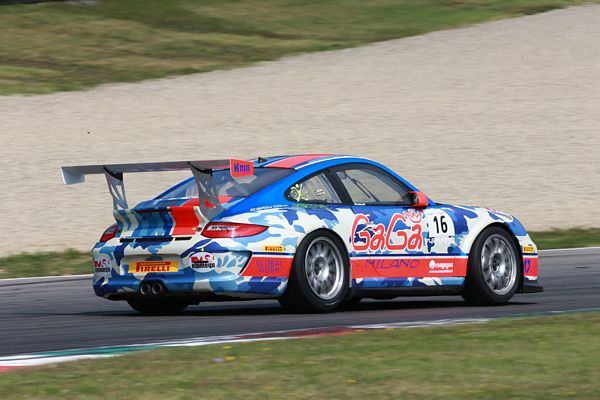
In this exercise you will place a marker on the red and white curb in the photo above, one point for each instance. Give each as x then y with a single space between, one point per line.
53 357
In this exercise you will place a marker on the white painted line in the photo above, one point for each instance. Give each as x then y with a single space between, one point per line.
570 252
592 248
43 279
53 360
50 277
422 324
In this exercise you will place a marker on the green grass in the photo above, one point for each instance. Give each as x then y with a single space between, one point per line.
566 238
57 47
535 358
76 262
44 264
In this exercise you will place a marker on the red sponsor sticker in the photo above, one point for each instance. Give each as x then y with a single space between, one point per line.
269 266
382 237
530 266
239 168
408 267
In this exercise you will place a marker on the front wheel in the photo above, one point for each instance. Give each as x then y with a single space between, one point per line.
319 277
165 306
494 270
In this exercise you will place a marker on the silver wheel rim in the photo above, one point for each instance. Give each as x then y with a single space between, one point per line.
498 264
324 268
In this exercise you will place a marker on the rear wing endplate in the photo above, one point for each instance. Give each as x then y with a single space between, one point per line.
202 171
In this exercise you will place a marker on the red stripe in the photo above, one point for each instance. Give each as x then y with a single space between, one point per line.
195 201
278 267
391 267
185 219
294 161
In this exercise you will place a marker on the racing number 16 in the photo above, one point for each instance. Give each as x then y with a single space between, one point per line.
440 224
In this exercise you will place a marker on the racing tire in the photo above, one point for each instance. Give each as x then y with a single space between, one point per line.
493 270
319 278
158 306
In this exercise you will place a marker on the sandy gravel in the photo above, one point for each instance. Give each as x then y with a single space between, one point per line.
505 114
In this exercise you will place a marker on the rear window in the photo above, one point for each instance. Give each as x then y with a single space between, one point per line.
229 186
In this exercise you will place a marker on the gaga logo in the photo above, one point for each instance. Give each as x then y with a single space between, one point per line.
403 232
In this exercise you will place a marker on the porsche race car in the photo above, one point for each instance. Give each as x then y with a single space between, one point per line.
312 231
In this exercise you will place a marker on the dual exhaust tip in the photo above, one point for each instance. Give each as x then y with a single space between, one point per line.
151 288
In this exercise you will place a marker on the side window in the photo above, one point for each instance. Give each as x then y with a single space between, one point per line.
370 185
316 189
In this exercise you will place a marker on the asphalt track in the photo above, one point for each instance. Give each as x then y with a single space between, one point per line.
60 315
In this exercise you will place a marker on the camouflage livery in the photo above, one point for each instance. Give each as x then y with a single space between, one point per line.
388 247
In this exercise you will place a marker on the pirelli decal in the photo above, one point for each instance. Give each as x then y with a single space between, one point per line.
273 249
528 249
145 267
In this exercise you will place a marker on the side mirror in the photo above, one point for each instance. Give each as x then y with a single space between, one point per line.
418 200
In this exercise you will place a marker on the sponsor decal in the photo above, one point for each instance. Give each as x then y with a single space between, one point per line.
530 266
144 267
441 241
440 267
408 267
273 248
403 232
528 249
239 168
203 261
278 267
102 264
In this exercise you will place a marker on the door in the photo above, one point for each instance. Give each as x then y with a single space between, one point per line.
390 239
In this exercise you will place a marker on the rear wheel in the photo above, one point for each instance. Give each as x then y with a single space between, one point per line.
164 306
494 270
319 277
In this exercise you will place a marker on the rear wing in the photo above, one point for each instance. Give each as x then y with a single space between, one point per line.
210 205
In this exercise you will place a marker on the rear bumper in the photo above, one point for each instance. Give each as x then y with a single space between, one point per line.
126 287
194 269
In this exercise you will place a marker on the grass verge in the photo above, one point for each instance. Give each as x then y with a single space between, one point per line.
76 262
57 47
535 358
566 238
70 262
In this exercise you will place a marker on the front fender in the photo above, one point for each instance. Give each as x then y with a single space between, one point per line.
471 221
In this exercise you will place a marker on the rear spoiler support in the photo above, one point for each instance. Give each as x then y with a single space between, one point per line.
206 186
116 187
202 171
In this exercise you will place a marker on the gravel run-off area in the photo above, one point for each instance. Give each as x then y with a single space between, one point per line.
504 114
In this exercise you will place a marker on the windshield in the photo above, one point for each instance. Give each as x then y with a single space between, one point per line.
229 186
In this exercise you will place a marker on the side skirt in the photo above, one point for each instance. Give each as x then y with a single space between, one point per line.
441 290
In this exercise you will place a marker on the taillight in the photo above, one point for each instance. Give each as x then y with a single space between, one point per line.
109 233
231 230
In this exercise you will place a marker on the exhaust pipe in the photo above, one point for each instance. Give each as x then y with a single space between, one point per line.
157 288
145 288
